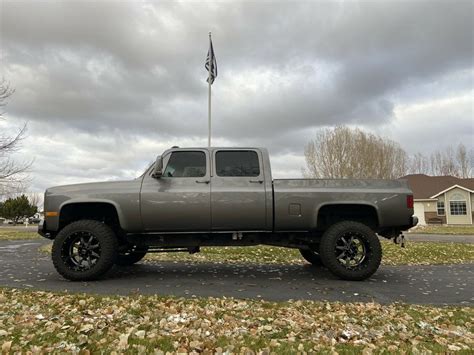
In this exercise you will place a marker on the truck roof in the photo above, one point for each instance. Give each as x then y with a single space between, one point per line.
216 148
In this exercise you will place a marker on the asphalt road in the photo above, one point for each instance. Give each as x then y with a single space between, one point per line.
22 266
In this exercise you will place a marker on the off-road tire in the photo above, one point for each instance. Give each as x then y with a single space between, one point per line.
311 256
373 251
129 258
108 250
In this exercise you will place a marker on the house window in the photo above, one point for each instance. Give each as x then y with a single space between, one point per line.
458 208
440 208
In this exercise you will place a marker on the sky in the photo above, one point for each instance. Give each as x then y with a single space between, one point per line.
106 86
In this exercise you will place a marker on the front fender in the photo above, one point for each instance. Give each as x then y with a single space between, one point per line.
53 223
73 201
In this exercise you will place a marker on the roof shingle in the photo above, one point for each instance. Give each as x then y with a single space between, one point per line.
425 186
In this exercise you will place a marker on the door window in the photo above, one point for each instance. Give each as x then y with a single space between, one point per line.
186 164
237 163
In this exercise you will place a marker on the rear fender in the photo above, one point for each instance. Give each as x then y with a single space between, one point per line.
358 213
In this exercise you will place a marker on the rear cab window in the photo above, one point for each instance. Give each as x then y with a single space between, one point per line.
235 163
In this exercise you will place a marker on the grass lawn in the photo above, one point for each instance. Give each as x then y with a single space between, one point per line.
437 229
147 324
17 234
414 254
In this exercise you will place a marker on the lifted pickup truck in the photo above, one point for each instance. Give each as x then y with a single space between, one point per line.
197 197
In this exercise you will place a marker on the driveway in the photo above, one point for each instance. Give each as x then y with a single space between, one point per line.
22 266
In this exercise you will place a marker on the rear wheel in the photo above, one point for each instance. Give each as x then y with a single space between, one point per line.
84 250
351 250
311 256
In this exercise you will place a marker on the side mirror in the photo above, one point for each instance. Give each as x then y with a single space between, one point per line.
158 171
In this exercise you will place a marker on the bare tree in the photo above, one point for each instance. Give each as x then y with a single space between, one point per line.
444 162
5 92
343 152
12 173
36 199
419 164
464 161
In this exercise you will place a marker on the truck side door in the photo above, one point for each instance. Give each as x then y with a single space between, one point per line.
180 200
238 191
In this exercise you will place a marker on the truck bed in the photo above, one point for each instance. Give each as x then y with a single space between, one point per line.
297 202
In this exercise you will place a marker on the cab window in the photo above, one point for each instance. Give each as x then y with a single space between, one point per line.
237 163
186 164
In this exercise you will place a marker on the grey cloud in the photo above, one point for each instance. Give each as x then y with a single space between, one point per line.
134 71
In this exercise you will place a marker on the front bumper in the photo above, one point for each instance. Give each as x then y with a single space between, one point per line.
42 230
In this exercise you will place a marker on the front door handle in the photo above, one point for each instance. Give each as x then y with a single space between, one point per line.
203 181
256 181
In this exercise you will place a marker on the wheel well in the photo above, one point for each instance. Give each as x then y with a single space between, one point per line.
330 214
103 212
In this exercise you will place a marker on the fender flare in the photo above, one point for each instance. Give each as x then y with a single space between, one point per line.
317 208
76 201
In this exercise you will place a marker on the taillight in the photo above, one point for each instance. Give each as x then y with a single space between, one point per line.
410 201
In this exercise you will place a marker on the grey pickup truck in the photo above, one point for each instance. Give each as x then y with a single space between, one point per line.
193 197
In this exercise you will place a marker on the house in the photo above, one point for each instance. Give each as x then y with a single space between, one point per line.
442 199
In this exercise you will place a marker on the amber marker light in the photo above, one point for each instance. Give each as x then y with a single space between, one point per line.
51 214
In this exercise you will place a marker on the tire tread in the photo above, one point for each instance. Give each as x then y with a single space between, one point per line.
109 246
329 260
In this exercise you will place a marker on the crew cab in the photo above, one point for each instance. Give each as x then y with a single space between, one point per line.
194 197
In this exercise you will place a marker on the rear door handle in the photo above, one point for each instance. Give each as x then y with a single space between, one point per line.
256 181
203 182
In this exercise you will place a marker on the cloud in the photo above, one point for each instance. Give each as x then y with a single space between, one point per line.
107 85
435 124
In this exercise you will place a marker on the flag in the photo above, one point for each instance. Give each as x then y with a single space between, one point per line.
211 63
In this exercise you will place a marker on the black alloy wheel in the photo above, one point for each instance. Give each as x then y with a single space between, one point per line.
84 250
81 251
350 250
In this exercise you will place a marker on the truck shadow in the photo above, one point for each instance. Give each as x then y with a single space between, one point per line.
422 284
254 281
273 282
209 271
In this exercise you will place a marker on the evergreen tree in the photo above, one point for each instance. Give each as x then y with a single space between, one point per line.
17 208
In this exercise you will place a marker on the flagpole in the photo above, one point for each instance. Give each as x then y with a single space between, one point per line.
209 84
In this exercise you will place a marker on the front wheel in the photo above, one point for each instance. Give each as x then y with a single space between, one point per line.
351 250
84 250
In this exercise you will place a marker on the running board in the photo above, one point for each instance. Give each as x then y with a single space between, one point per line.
191 250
